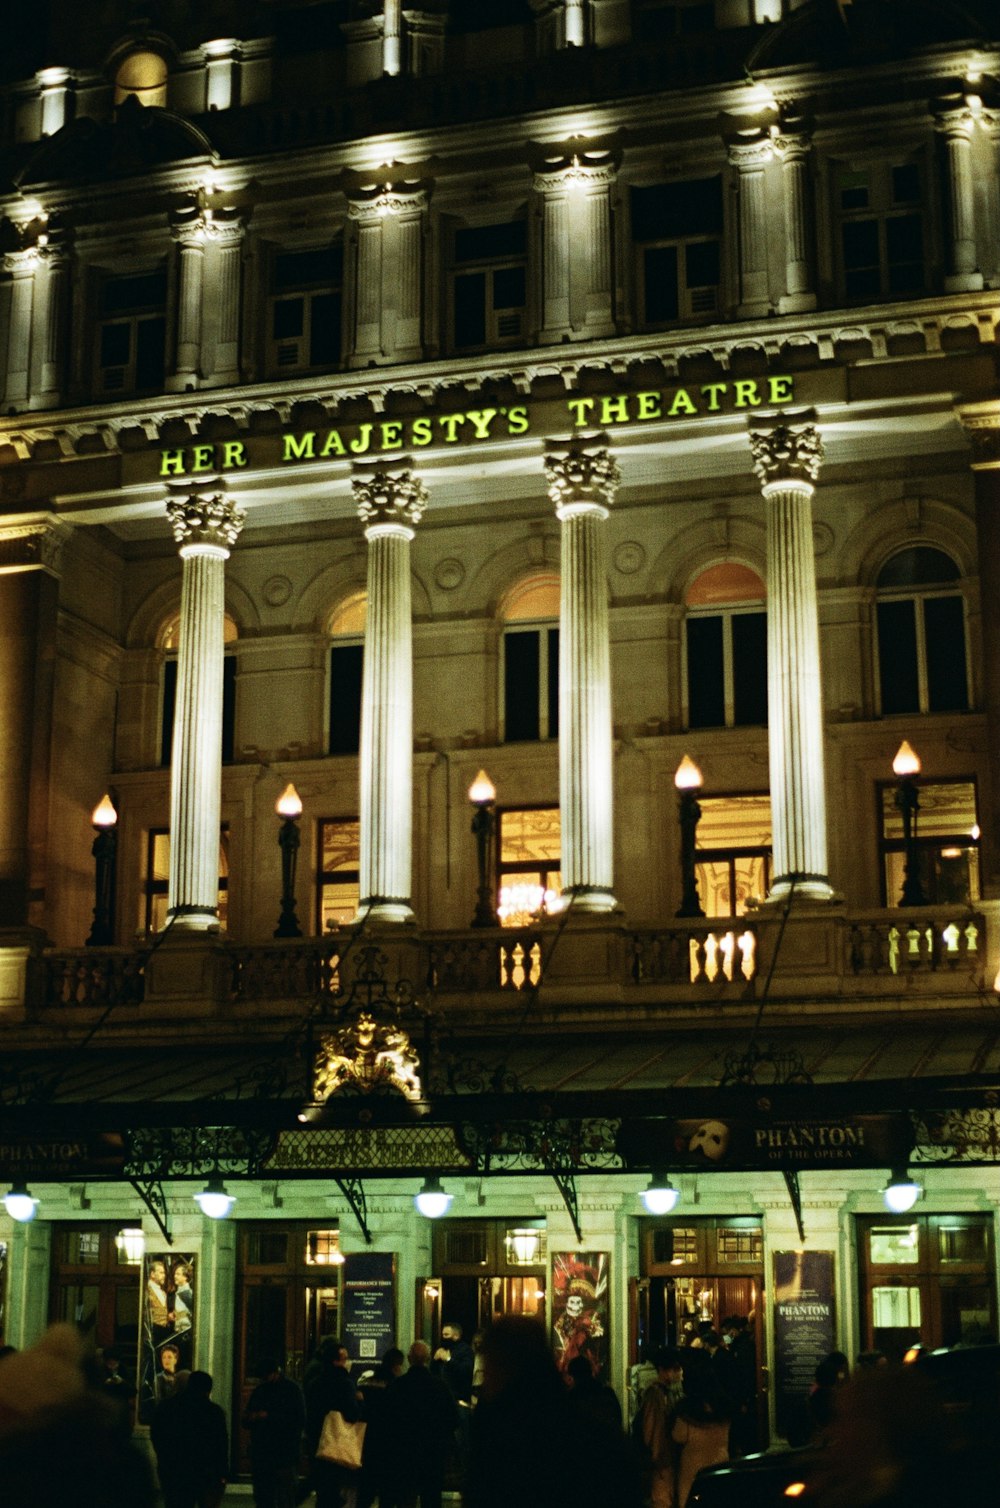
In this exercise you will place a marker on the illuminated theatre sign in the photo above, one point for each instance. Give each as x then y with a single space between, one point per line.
473 426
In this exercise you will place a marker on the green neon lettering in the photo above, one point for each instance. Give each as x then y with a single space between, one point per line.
364 439
649 406
421 432
299 447
481 419
614 410
233 454
449 423
171 463
747 395
682 404
202 457
392 434
333 445
713 392
580 408
780 389
517 420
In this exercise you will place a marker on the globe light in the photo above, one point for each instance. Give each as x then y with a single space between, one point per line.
901 1193
289 804
906 764
104 815
482 791
432 1202
214 1201
21 1205
661 1196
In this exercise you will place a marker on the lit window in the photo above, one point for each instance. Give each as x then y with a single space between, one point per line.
154 917
132 333
726 644
677 231
168 640
530 881
923 664
947 840
306 292
347 629
338 883
879 207
323 1248
142 76
489 286
733 852
531 661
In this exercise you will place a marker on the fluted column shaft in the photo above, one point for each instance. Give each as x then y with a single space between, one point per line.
582 479
750 158
963 272
787 462
205 525
390 502
227 236
577 275
190 277
800 292
51 339
392 36
21 266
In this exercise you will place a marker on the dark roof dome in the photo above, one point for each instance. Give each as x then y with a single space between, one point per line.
846 33
139 139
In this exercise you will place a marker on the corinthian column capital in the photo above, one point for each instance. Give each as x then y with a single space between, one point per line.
581 474
981 423
205 518
787 454
389 495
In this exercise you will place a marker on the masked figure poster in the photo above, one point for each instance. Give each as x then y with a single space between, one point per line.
580 1308
167 1321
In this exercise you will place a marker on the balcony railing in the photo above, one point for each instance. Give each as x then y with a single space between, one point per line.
922 940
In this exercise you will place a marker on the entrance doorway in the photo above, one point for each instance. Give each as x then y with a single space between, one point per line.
697 1274
925 1280
485 1269
288 1302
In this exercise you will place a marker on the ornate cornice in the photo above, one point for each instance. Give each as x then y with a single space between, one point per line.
786 453
982 430
574 164
389 494
205 518
581 471
35 546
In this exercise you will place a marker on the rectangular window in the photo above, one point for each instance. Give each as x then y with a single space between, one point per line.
346 668
338 884
529 844
880 209
157 877
733 852
947 842
531 684
489 286
306 290
169 710
677 231
131 344
925 1279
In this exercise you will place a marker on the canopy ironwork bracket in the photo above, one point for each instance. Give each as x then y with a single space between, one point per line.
353 1191
151 1193
566 1184
795 1195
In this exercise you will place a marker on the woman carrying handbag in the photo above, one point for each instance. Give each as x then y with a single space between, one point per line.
334 1430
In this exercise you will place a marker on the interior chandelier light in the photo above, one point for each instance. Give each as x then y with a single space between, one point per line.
20 1205
432 1202
661 1196
214 1201
901 1192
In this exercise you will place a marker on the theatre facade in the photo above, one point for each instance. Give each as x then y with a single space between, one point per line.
500 666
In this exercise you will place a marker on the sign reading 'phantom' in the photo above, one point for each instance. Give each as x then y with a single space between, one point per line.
475 425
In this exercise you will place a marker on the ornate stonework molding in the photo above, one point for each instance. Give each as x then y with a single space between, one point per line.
205 518
36 546
581 471
574 164
389 494
786 454
982 430
397 188
752 153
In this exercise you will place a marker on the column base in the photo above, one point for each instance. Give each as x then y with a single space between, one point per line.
589 898
382 908
963 282
194 919
801 887
796 303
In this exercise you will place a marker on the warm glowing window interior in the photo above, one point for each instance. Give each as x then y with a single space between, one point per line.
158 875
338 886
143 74
529 863
947 842
323 1248
734 852
349 617
726 582
169 635
535 598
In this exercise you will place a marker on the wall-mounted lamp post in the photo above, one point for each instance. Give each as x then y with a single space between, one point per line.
687 779
289 808
906 767
482 794
104 818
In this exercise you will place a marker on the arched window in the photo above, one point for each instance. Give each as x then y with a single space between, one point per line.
920 614
347 630
142 74
726 648
531 660
168 640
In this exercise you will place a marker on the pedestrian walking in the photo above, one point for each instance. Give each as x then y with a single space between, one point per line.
275 1415
379 1448
421 1417
331 1391
190 1439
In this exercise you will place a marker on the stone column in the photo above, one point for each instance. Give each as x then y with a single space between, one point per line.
956 127
577 279
800 290
30 554
21 265
750 158
388 301
390 502
51 321
392 37
582 478
205 525
225 232
787 462
981 423
576 23
189 234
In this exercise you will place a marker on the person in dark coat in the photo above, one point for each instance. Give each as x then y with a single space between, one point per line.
591 1397
330 1390
453 1363
380 1447
421 1417
529 1445
189 1437
275 1416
